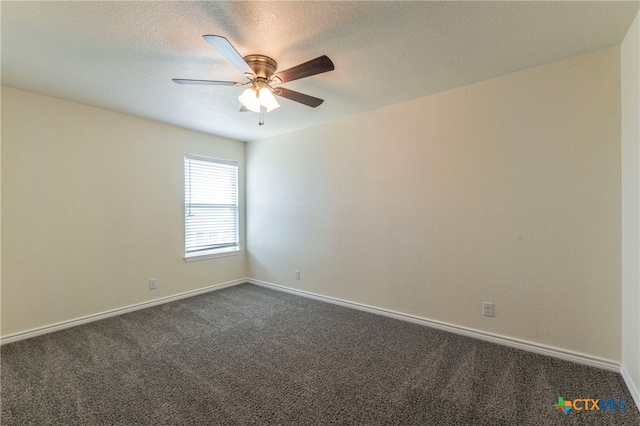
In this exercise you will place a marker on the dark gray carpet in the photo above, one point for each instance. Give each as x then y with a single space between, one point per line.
249 355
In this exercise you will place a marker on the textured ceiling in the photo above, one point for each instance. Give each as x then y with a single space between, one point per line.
122 55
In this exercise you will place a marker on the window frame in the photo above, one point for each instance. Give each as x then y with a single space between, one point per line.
214 252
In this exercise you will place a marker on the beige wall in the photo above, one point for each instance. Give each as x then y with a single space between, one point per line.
92 208
505 191
630 71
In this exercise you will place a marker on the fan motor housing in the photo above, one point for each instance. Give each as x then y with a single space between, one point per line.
263 66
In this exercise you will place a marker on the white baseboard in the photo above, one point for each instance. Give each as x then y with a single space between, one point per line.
551 351
464 331
635 394
14 337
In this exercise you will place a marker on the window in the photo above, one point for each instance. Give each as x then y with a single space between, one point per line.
210 207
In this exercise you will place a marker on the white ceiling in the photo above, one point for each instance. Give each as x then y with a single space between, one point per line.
122 55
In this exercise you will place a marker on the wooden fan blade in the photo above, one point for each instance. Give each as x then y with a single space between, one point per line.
315 66
206 82
298 97
228 51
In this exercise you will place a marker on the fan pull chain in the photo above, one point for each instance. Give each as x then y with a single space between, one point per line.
261 122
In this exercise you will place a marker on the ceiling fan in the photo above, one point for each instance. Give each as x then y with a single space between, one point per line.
260 71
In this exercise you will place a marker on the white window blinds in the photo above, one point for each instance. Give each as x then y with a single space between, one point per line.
210 205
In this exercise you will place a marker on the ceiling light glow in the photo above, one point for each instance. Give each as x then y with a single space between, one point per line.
250 100
253 99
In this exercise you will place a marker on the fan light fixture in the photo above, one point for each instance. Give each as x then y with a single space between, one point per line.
260 70
254 99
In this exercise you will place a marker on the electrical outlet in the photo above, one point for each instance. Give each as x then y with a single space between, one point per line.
487 309
297 274
153 283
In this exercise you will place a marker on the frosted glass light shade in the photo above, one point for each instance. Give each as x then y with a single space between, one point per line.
268 100
249 99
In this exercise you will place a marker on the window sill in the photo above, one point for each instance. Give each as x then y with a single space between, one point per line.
211 255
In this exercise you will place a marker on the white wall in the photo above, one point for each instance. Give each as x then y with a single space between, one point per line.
92 208
505 191
630 72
